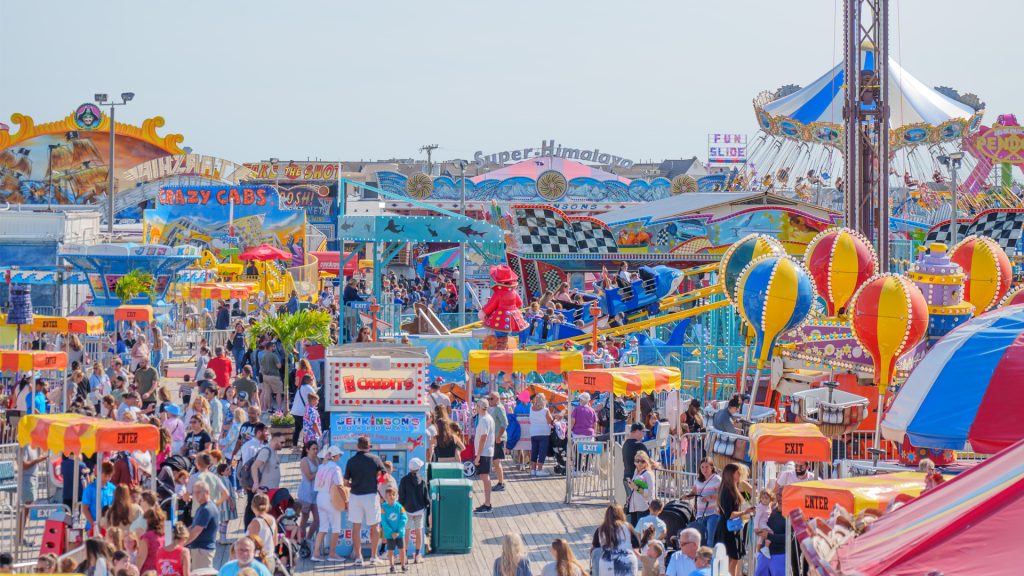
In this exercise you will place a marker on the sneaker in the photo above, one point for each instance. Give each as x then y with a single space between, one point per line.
542 473
316 559
483 508
377 561
360 562
499 487
767 553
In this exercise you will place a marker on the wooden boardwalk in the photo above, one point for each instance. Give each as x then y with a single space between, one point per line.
533 507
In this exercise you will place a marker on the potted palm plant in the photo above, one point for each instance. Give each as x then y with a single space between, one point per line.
134 284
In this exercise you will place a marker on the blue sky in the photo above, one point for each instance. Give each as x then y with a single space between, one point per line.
376 79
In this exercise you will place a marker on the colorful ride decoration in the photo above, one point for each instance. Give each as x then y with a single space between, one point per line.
987 268
1013 297
523 361
739 255
840 261
942 283
502 311
889 317
967 389
911 455
775 295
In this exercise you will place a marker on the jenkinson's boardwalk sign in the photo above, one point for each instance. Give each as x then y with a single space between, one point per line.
549 148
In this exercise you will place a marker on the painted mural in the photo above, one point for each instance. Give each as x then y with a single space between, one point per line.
67 161
219 218
693 233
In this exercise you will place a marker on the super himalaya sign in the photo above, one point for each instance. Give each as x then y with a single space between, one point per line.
550 148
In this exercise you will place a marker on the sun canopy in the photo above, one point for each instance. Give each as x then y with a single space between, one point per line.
26 360
130 313
967 388
785 442
625 381
91 325
73 434
491 361
265 252
219 291
969 525
817 498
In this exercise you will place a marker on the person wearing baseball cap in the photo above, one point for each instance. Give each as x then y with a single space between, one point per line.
413 496
630 447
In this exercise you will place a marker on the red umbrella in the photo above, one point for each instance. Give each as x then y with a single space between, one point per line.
265 252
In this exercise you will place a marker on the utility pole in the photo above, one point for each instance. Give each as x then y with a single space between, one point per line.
429 149
101 99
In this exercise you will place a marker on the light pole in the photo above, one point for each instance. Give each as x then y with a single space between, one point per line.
462 248
101 99
952 162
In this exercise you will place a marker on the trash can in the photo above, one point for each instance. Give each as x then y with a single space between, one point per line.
444 470
451 510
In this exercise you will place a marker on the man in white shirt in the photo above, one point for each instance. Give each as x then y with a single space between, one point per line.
437 398
483 442
682 562
800 473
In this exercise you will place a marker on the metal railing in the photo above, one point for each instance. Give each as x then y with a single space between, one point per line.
589 470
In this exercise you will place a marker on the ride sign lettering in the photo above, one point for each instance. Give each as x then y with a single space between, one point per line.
220 195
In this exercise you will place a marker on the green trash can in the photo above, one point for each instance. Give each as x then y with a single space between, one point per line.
444 470
451 510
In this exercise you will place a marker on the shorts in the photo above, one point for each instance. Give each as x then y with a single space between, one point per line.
274 384
415 521
484 465
330 519
364 509
499 450
395 543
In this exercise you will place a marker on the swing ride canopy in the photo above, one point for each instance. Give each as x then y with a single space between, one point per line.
492 361
91 325
784 442
131 313
918 113
74 434
625 381
817 498
27 360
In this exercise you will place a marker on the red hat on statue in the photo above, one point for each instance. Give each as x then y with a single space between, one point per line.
502 274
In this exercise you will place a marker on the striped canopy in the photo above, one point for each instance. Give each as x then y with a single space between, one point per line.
817 498
625 381
970 387
491 361
219 291
784 442
130 313
90 325
74 434
918 113
26 360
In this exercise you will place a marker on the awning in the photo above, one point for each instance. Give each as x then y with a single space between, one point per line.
26 360
492 361
219 291
61 325
73 434
817 498
133 313
625 381
785 442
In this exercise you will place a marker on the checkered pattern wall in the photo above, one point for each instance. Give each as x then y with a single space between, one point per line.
545 230
1005 226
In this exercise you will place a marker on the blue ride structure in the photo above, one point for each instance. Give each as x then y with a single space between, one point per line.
645 294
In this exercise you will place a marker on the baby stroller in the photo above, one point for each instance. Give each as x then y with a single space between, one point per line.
290 547
165 488
558 444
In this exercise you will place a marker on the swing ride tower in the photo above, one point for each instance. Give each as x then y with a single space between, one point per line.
866 117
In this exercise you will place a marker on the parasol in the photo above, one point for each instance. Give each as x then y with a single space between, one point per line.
264 252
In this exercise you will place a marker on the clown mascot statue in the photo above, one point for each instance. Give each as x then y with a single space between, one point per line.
501 313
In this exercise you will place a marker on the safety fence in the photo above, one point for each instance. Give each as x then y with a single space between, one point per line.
590 475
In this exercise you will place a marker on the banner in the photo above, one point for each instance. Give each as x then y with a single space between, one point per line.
447 355
219 218
726 149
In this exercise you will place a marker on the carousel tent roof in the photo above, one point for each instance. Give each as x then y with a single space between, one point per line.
911 100
534 167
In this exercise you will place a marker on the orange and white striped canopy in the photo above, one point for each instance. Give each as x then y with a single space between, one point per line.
625 381
26 360
74 434
525 361
91 325
218 291
817 498
785 442
131 313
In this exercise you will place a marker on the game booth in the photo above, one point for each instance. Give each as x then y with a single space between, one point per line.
377 390
71 435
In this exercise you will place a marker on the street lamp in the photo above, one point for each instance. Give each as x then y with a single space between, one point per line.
952 162
101 99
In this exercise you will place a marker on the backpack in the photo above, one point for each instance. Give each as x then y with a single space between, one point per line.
245 471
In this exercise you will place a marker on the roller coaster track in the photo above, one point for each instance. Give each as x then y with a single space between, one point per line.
637 326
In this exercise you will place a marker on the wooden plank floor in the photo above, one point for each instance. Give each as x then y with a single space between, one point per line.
533 507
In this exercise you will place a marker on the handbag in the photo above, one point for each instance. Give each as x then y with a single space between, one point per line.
339 497
734 524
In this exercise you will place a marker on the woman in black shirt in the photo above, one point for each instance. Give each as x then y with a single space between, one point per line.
732 505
